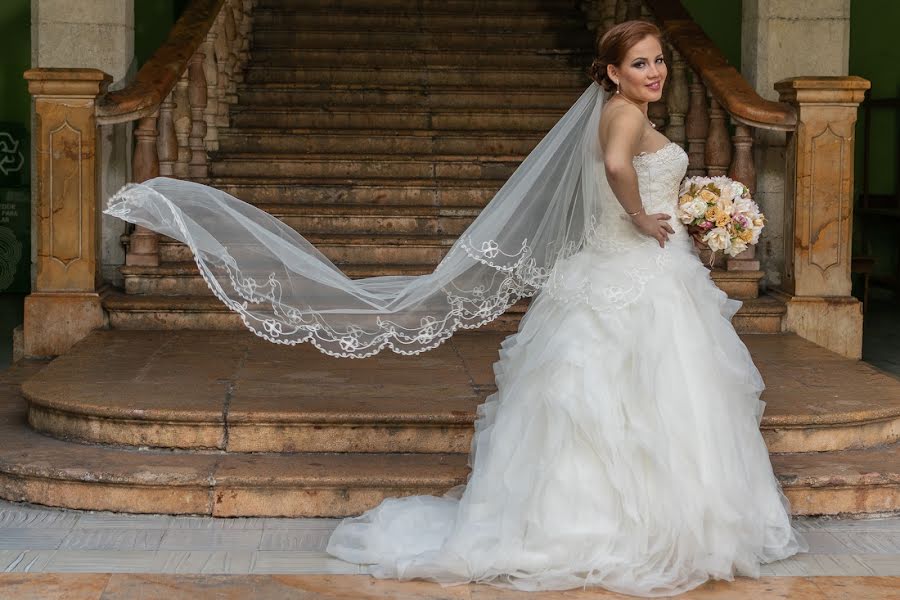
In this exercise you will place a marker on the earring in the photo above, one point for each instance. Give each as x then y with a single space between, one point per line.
617 87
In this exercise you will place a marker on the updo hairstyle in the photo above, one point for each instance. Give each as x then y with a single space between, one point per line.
614 45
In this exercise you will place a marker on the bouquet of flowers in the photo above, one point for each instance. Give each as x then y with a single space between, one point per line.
719 213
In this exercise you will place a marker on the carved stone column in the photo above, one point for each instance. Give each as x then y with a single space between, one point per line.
64 305
819 211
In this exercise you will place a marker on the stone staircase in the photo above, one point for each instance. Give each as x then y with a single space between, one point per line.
378 130
226 424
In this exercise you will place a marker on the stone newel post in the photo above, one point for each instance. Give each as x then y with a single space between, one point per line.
819 211
64 305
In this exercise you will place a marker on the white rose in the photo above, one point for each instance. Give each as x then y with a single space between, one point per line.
717 238
737 246
696 208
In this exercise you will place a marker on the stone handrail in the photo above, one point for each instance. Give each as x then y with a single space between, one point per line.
143 96
722 80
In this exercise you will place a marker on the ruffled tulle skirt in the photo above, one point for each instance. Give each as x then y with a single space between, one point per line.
622 449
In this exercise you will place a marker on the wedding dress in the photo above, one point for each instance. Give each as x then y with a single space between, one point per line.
622 447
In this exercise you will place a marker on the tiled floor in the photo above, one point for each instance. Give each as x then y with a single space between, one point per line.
36 539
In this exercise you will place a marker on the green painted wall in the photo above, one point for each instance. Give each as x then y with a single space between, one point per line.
875 55
721 20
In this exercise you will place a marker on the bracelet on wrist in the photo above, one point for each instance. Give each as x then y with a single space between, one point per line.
635 213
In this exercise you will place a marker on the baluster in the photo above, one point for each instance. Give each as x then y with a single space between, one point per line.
210 70
167 143
233 62
244 31
696 127
743 170
198 167
677 100
183 126
222 57
718 144
143 246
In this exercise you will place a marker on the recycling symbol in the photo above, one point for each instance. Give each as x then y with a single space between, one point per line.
11 158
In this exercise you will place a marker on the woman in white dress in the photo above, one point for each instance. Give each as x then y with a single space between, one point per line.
622 447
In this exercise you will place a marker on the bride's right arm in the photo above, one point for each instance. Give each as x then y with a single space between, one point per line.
620 136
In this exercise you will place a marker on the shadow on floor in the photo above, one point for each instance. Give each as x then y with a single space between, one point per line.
881 331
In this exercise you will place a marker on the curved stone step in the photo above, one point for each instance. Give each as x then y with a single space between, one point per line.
41 469
259 404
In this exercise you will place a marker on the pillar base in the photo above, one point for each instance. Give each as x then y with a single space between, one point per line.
54 322
833 322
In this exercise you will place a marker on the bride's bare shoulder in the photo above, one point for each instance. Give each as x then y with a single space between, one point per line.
621 128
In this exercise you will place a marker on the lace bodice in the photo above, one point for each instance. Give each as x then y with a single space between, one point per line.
659 177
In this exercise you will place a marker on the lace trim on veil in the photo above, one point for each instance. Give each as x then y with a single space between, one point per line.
289 325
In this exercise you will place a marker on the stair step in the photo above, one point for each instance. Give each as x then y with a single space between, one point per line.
405 59
481 22
73 401
377 40
367 192
538 78
166 313
497 168
304 142
510 120
258 404
379 97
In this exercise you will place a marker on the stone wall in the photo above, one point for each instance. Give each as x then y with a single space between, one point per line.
786 38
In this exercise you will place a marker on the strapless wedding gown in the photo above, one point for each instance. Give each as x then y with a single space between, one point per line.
622 447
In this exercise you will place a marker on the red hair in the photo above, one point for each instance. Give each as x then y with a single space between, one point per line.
615 44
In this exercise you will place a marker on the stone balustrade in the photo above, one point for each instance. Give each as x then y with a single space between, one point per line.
178 99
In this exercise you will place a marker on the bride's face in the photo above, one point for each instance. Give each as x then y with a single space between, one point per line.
642 73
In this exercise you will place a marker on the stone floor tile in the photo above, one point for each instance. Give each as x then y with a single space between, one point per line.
267 562
24 561
211 539
891 524
117 521
109 538
881 564
103 561
19 538
825 564
187 522
301 523
302 540
869 542
206 562
12 515
52 586
824 542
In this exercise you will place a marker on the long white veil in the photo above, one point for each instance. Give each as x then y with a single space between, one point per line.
288 292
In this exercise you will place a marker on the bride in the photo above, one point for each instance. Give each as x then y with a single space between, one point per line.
622 446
